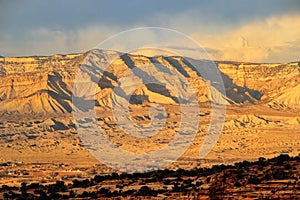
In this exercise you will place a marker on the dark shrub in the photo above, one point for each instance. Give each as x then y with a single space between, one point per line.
237 184
279 174
146 191
253 180
287 166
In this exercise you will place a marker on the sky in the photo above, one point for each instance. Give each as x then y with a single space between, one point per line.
236 30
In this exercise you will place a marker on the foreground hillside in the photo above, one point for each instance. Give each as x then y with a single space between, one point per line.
276 178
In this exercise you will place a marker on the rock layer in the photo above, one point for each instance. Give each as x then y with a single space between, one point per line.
44 84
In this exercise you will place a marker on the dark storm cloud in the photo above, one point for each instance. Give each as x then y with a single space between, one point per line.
71 14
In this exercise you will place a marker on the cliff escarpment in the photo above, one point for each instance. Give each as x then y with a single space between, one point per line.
44 84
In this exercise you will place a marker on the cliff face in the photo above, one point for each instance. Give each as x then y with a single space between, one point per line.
275 85
44 84
37 84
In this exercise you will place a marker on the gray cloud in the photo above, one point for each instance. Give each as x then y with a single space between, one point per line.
46 27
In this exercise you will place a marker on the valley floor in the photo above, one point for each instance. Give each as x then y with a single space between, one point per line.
46 149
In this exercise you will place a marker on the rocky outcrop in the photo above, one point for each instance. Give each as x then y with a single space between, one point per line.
264 82
38 84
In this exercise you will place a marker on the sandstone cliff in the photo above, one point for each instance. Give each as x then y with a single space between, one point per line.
44 84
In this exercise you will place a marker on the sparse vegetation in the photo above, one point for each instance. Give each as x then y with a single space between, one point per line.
275 178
